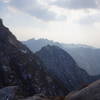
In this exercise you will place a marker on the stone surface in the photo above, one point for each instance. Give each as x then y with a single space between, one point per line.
91 92
8 93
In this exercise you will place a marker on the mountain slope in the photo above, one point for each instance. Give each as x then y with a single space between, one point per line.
19 66
87 57
61 65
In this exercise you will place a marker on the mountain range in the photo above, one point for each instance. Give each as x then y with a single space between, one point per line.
87 57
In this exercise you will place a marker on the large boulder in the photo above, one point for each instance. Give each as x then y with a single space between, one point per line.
91 92
8 93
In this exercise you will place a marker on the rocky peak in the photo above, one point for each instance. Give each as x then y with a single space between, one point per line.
1 22
5 34
63 67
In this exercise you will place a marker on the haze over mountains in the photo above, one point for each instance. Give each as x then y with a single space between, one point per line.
87 57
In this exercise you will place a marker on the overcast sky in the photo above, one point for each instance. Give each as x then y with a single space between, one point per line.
68 21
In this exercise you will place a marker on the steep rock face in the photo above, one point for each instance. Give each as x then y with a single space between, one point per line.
62 66
91 92
19 66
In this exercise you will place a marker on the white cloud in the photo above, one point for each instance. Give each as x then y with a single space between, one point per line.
82 24
35 8
91 18
78 4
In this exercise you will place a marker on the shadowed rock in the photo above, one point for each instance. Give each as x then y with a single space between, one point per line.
1 22
19 66
62 66
40 97
8 93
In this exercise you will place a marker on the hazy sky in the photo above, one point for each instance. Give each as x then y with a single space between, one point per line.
68 21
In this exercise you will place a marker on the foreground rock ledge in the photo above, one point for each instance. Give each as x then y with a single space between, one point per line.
91 92
8 93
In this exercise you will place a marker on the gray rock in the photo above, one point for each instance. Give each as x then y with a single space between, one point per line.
91 92
8 93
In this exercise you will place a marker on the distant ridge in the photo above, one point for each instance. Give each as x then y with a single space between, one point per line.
87 57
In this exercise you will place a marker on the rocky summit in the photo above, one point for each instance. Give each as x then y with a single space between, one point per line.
20 67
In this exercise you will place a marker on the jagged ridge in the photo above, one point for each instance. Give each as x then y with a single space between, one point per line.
19 66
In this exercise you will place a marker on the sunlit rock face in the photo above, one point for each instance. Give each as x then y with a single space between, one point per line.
19 66
91 92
